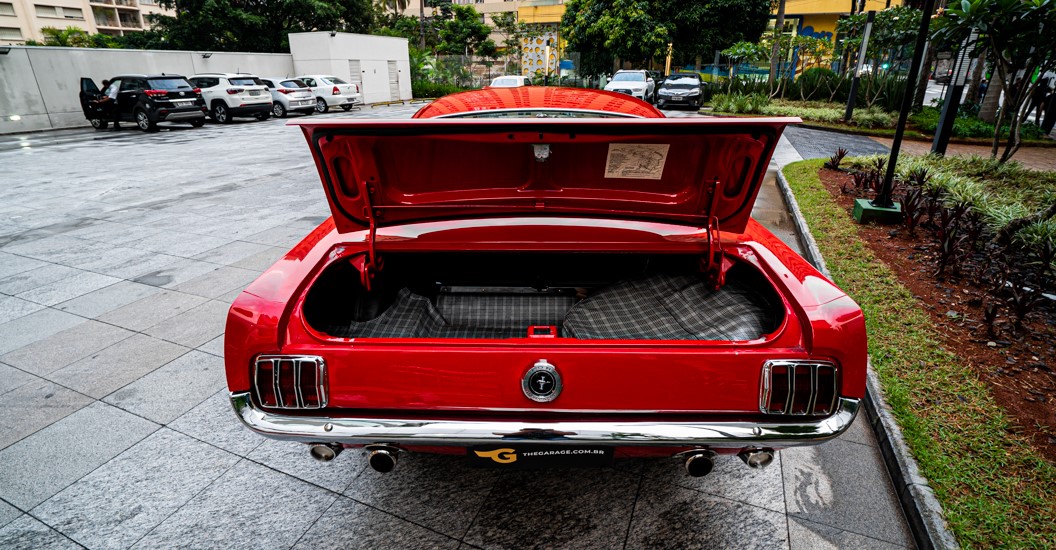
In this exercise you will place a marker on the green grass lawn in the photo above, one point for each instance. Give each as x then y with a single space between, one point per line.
995 489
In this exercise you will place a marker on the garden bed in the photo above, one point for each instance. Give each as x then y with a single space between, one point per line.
976 409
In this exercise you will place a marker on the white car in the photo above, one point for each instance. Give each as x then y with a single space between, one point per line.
289 95
233 94
331 91
633 83
509 82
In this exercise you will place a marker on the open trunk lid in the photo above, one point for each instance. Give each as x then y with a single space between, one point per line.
703 172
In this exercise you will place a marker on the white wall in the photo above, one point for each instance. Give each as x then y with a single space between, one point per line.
39 86
318 52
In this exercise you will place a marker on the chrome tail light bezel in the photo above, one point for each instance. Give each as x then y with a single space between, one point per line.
818 372
299 363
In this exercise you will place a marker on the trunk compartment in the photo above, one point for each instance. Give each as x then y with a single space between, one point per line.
560 296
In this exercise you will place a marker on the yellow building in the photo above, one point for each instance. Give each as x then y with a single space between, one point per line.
546 14
818 18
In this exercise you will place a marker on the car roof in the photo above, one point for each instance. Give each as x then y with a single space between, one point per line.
539 97
224 74
162 75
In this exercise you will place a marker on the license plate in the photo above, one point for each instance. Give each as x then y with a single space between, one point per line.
539 456
254 92
182 103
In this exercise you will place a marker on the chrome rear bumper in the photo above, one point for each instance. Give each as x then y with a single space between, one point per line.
365 431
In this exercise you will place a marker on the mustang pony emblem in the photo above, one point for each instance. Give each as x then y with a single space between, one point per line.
502 456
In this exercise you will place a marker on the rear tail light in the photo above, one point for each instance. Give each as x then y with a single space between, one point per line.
197 90
336 91
357 87
798 388
234 91
286 91
156 93
290 381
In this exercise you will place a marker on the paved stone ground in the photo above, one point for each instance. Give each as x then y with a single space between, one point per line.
120 253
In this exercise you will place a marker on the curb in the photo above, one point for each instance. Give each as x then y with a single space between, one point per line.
922 509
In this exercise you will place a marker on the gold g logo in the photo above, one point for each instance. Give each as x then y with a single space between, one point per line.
502 456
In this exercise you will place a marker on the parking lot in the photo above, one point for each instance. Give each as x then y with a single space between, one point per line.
120 253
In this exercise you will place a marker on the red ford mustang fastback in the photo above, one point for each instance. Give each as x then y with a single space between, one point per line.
539 276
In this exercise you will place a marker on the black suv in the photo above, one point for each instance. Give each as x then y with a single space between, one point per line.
145 99
681 89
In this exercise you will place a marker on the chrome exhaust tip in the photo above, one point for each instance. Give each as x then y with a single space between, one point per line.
757 459
324 452
382 460
700 464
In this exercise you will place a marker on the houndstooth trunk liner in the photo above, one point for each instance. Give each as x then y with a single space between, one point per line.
658 307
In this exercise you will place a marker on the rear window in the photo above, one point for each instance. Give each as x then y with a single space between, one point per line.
246 81
293 84
335 80
169 84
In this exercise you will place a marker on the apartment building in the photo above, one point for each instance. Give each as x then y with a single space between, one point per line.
21 20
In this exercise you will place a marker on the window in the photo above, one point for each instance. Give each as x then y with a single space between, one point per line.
59 12
10 33
147 2
7 8
168 84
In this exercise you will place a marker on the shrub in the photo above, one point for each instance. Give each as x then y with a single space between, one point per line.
426 89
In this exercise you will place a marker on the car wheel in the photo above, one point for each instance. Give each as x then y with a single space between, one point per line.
278 110
99 124
263 116
198 122
144 123
659 104
220 114
321 106
346 107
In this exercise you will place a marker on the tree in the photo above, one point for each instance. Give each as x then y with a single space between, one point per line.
639 30
775 50
512 32
256 25
73 37
1019 37
463 33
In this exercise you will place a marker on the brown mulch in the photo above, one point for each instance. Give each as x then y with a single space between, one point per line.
1019 369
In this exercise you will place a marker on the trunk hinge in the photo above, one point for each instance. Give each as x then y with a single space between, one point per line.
716 264
370 264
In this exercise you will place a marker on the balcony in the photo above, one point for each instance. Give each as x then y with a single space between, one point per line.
126 4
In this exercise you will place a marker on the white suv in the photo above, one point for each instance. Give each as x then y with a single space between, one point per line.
289 95
233 94
330 91
634 83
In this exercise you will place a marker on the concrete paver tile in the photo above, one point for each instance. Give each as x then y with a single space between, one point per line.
437 492
128 263
218 282
807 535
231 252
827 484
860 431
68 288
731 479
107 299
175 273
34 469
262 260
26 532
113 233
12 378
168 392
149 311
290 457
193 327
118 365
12 308
348 524
666 516
35 405
231 509
556 509
214 346
59 350
214 422
122 500
177 243
39 276
8 513
13 264
35 327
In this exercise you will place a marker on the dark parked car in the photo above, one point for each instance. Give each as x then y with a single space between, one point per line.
680 89
143 99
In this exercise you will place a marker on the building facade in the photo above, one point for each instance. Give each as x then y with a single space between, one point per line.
818 18
22 20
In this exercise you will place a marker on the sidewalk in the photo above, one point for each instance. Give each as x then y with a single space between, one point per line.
1036 158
